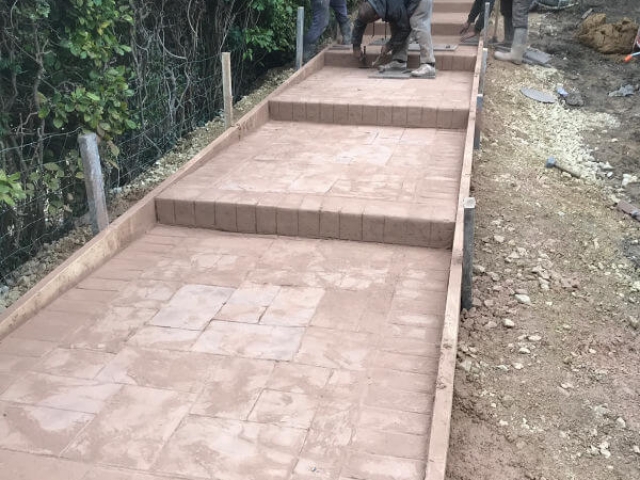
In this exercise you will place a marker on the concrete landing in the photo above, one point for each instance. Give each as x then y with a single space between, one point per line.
203 355
349 97
378 184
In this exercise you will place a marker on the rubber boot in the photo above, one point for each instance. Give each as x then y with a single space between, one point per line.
517 49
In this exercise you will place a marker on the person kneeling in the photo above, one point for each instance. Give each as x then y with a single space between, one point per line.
397 13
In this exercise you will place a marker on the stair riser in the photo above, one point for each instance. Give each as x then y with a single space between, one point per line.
360 114
451 7
325 223
437 28
445 61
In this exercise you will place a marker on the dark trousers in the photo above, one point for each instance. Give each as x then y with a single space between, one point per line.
477 12
320 20
517 11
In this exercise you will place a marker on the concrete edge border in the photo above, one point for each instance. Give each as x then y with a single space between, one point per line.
443 400
139 219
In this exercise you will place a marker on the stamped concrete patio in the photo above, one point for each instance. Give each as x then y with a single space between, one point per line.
289 315
200 354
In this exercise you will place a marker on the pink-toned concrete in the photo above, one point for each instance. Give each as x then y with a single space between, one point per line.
199 354
349 96
196 354
446 20
461 58
380 184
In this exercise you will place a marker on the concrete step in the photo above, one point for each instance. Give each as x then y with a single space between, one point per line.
452 6
373 184
349 97
442 23
463 58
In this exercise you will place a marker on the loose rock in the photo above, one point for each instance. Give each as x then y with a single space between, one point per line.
524 299
508 323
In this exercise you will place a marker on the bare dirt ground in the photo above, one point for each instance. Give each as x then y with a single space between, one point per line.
548 384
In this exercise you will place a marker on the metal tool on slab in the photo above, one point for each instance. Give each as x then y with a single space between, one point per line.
553 163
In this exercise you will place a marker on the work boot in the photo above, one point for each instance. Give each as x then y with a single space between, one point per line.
426 70
518 48
394 65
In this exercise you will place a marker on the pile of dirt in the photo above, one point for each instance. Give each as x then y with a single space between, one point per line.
605 37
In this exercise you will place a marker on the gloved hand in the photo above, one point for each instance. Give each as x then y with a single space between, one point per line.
465 27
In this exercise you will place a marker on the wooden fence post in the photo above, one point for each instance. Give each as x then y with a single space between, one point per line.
227 89
94 182
299 38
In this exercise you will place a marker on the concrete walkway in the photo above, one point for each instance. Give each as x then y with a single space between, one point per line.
284 319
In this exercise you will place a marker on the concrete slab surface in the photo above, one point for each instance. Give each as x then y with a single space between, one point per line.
307 358
347 96
287 179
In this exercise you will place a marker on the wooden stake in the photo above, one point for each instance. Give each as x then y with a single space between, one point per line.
299 38
227 89
94 182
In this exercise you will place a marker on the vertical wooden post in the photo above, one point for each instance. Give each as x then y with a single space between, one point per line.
485 30
94 183
483 69
469 205
227 89
478 129
299 38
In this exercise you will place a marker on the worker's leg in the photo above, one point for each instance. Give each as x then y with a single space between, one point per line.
421 25
342 17
482 22
506 8
319 22
398 54
520 21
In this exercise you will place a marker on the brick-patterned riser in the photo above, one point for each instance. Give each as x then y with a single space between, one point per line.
311 217
441 24
357 113
459 59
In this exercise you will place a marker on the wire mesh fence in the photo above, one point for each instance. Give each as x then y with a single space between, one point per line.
53 198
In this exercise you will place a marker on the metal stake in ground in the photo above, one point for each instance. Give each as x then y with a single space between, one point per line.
485 33
469 205
483 69
299 37
94 182
227 89
478 129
